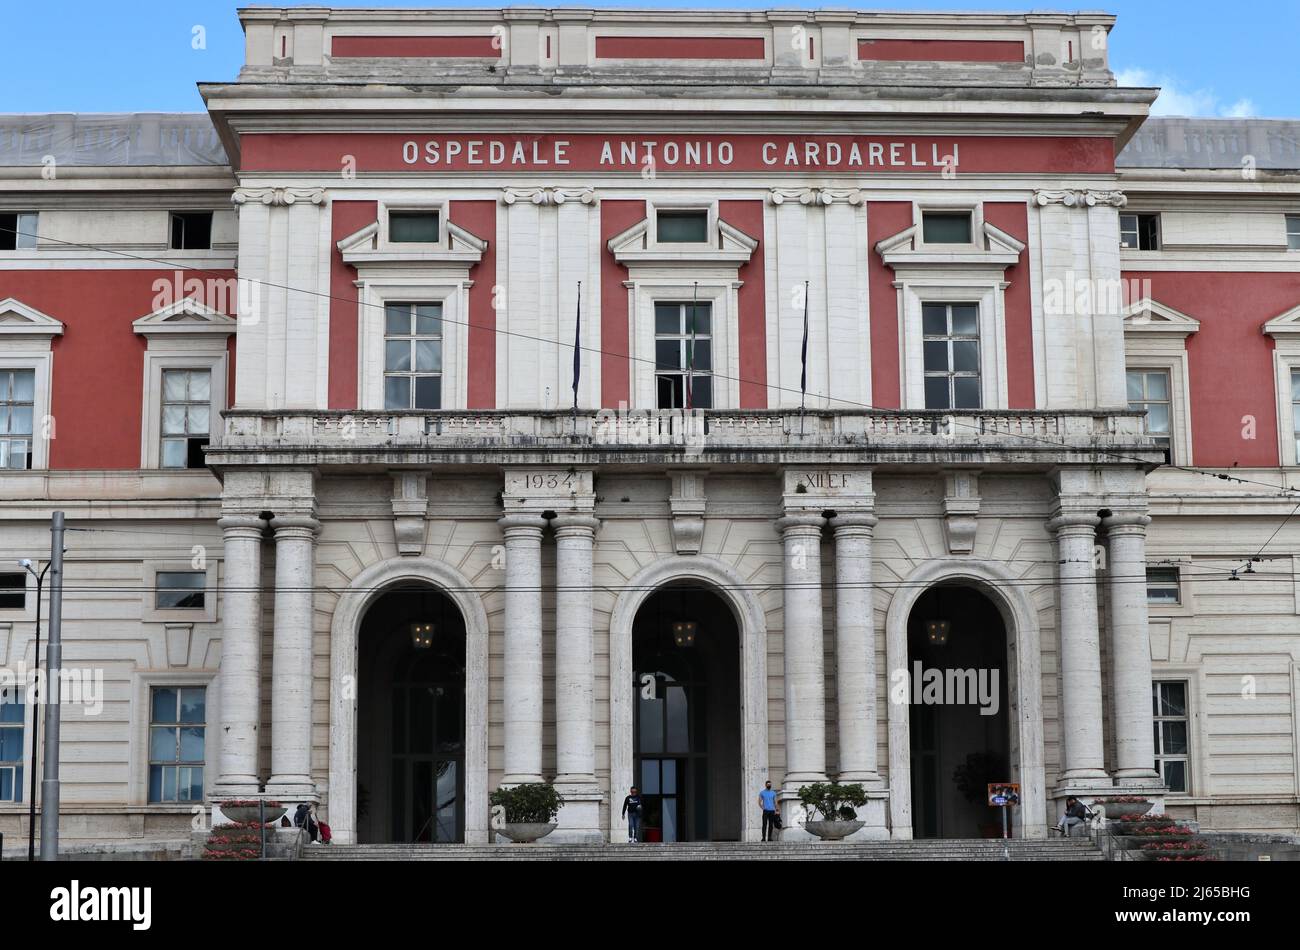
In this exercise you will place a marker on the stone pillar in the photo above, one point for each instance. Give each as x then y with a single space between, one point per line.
855 649
575 735
805 676
523 661
1080 658
241 655
1130 648
295 550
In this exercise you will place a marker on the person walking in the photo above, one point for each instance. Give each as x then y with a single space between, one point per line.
767 801
632 812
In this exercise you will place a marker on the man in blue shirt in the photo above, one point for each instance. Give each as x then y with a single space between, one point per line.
767 800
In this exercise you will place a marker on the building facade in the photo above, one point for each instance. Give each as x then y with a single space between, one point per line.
676 400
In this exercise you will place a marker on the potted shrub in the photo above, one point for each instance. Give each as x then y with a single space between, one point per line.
530 810
836 804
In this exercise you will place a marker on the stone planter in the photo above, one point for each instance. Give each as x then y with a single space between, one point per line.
234 845
1127 808
251 812
832 830
523 832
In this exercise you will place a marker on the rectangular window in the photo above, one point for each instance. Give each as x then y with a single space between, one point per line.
413 356
683 355
1162 585
946 227
179 590
413 227
1139 232
1169 700
951 341
17 230
1295 410
1293 232
17 399
13 590
11 744
186 407
191 230
682 227
177 725
1148 391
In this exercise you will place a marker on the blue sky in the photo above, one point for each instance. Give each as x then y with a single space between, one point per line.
1211 57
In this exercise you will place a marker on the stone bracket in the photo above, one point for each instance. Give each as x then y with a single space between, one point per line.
961 508
410 511
687 505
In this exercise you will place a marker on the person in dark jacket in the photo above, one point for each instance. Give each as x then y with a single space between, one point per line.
1076 813
632 812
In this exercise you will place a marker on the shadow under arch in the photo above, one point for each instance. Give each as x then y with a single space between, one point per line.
1025 689
724 581
345 626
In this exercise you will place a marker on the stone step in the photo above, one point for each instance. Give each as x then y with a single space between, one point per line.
930 850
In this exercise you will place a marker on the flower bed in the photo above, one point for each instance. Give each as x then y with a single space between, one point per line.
1177 847
242 854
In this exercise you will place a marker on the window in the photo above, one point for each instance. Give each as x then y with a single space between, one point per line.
946 227
1162 585
1148 391
179 590
682 227
17 400
191 230
950 334
1295 410
1139 232
11 744
413 227
1293 232
13 590
186 408
683 355
1170 724
413 356
17 230
176 743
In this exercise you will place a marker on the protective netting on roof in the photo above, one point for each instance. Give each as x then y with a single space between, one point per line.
113 138
1272 144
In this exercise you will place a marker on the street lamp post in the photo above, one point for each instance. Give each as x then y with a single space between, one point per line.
36 720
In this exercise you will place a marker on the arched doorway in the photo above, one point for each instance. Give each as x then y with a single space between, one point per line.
960 738
686 690
411 715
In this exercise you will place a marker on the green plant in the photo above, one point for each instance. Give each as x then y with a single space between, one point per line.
832 800
531 803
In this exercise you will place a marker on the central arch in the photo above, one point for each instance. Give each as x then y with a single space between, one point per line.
363 591
728 585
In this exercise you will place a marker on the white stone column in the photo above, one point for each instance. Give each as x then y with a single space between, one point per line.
575 729
805 674
1130 648
291 737
1080 658
241 655
855 649
523 661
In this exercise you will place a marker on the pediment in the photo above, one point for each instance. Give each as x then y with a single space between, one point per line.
996 249
1287 322
1151 316
730 246
458 246
18 319
186 316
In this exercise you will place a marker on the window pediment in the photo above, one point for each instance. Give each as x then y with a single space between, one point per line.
996 250
365 248
1286 324
637 247
1147 316
186 317
19 320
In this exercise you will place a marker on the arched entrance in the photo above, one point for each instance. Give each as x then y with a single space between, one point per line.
687 734
411 718
960 741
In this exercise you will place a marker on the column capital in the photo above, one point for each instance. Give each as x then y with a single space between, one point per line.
853 522
295 525
522 524
575 526
1074 523
801 523
233 526
1126 522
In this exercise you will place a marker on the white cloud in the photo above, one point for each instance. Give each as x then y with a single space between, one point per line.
1177 99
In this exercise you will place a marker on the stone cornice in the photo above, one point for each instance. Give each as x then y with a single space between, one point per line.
1086 198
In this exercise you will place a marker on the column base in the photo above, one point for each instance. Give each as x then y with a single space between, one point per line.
579 819
1140 778
235 786
519 778
292 790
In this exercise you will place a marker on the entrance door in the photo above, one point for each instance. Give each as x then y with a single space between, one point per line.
428 757
686 735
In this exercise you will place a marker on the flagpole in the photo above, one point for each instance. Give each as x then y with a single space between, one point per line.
577 357
690 362
803 359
